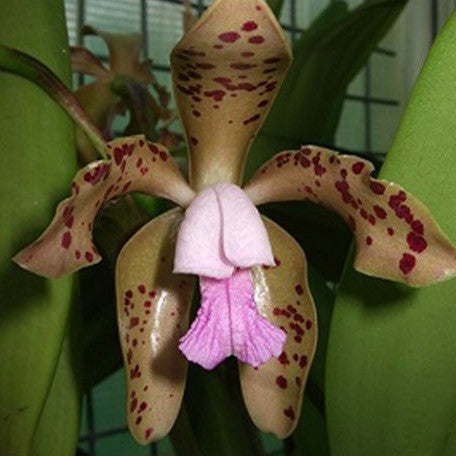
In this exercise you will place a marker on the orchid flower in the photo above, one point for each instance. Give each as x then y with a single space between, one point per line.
255 299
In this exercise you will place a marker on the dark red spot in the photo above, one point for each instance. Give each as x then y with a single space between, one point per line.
66 239
217 95
138 420
271 60
299 290
89 256
229 37
249 26
257 39
351 222
263 103
194 75
163 155
133 404
193 140
303 361
289 413
283 359
196 113
148 432
298 339
242 66
358 167
134 321
380 212
369 240
298 381
247 54
142 288
252 119
281 382
407 263
377 188
77 254
418 227
390 231
142 407
416 243
218 46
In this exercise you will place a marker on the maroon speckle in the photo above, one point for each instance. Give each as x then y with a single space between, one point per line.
407 263
194 75
257 39
142 288
351 222
377 188
196 113
369 240
281 382
390 231
129 294
148 432
272 60
229 37
217 95
193 140
251 119
298 381
358 167
380 212
418 227
142 407
133 404
416 243
299 290
289 413
242 66
163 155
263 103
249 26
283 359
138 420
218 46
66 240
303 361
247 54
77 254
89 256
134 321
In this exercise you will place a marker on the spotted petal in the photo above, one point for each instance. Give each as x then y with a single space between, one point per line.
226 72
396 236
135 165
153 306
273 392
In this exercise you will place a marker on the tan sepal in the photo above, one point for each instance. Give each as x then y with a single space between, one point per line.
153 306
396 236
83 61
226 72
135 165
273 392
124 54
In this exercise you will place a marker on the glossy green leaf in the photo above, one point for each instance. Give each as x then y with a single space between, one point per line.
58 429
391 373
326 58
276 6
37 145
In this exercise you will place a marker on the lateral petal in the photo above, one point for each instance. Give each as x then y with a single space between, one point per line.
135 165
153 307
226 72
273 392
396 236
245 240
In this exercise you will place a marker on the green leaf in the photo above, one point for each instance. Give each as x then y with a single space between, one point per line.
391 373
326 58
276 6
37 145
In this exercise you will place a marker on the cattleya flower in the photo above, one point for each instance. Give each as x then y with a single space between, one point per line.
256 302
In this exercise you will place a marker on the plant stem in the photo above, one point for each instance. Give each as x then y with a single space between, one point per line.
24 65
